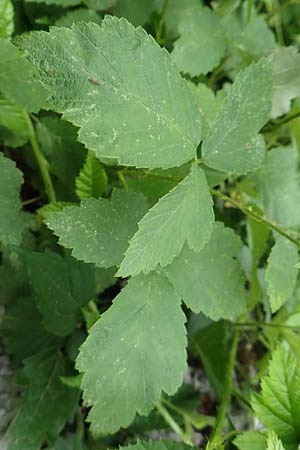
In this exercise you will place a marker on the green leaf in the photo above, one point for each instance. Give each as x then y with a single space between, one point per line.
47 403
184 214
212 272
273 442
277 183
22 329
63 3
137 12
210 344
139 344
233 144
92 179
49 209
99 230
286 84
175 10
278 404
16 71
251 440
140 114
6 18
13 119
207 104
77 15
11 220
100 5
62 286
281 273
201 45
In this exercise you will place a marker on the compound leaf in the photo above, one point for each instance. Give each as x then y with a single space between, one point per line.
278 404
123 374
184 214
61 286
98 230
233 144
139 113
211 281
92 179
46 405
11 220
281 274
201 45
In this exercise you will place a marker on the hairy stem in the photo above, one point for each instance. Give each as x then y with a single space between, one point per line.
41 160
249 211
172 422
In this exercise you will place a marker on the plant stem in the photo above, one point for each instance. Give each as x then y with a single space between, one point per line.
265 324
161 21
41 160
248 210
172 423
227 392
283 121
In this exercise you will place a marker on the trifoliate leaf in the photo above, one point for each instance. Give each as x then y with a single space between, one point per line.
211 281
278 404
184 214
11 219
99 230
233 144
137 12
207 104
273 442
277 183
286 84
46 405
62 286
13 120
123 374
201 45
6 18
16 71
281 274
139 113
92 178
58 141
251 440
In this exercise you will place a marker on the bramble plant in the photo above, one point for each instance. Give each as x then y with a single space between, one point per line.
150 224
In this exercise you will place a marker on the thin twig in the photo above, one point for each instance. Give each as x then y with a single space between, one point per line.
41 160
